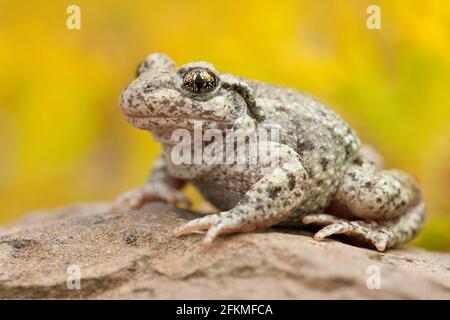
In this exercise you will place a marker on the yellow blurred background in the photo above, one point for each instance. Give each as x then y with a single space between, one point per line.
63 138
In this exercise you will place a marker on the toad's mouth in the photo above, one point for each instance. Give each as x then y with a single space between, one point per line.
149 122
166 118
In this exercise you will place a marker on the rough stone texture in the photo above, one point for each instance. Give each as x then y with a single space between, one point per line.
132 255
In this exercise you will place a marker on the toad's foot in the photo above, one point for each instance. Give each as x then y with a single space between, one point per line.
371 231
147 193
219 224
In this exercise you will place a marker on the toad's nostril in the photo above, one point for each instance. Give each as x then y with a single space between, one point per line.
147 88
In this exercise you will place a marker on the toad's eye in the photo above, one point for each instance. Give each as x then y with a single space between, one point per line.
200 81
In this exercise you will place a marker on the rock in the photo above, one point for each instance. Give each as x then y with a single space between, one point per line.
132 255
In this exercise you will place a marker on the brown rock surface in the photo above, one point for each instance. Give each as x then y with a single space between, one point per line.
133 255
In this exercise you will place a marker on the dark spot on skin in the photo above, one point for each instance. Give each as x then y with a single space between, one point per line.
324 164
358 162
245 199
291 183
259 208
273 192
139 96
368 184
130 100
352 175
348 150
305 146
378 200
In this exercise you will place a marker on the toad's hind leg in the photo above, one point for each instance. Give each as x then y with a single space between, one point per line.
387 207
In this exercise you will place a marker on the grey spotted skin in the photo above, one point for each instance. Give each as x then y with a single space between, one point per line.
323 177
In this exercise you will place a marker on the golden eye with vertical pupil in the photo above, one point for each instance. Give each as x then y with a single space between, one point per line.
199 81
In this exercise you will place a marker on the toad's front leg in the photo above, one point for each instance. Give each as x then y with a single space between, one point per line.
269 201
159 187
